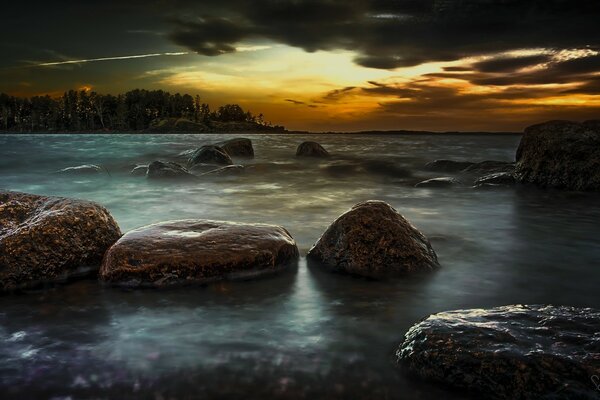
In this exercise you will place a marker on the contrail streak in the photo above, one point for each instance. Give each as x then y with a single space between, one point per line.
48 64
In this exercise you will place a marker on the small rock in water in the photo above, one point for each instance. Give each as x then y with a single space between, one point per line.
197 252
210 155
447 165
373 240
311 149
45 239
510 352
167 170
560 154
238 147
441 182
227 170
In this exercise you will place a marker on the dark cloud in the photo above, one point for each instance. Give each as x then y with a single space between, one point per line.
393 33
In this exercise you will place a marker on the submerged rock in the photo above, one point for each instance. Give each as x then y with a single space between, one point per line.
45 239
447 165
373 240
511 352
442 182
311 149
490 167
87 169
227 170
560 154
198 252
167 170
210 155
497 179
238 147
139 170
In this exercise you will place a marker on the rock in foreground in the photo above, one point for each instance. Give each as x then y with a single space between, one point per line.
238 147
197 252
311 149
45 239
560 154
373 240
511 352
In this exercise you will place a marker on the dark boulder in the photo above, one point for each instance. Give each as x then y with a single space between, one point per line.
210 155
87 169
510 352
311 149
45 239
238 147
167 170
497 179
442 182
197 252
560 154
373 240
447 165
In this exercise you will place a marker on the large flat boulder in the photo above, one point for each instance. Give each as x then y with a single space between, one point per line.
373 240
560 154
197 252
510 352
45 239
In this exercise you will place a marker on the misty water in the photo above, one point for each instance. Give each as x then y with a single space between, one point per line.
305 333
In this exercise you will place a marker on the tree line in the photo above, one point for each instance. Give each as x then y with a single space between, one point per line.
83 110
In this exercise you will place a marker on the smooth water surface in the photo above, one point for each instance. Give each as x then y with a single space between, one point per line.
302 334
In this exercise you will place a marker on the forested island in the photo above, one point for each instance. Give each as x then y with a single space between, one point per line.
137 110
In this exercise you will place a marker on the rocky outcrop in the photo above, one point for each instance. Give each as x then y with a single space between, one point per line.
167 170
87 169
197 252
442 182
45 239
373 240
311 149
210 155
447 165
560 154
511 352
497 179
238 147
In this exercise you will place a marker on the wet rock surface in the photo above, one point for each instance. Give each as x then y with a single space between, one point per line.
510 352
238 147
560 154
373 240
210 155
227 170
197 252
139 170
441 182
167 170
311 149
447 165
489 167
45 239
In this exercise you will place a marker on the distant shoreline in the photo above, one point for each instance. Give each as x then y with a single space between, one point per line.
373 133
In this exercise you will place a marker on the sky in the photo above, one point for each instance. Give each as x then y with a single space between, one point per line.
329 65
